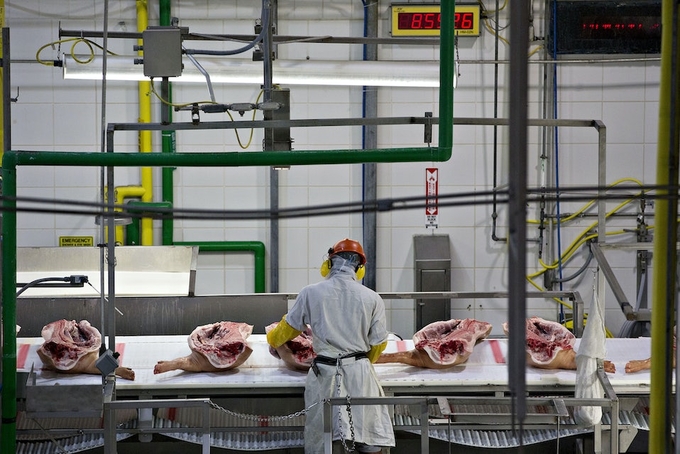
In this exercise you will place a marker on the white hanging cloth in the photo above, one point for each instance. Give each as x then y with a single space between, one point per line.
591 348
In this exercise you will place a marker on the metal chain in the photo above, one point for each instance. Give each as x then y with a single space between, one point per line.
457 68
338 377
258 418
351 423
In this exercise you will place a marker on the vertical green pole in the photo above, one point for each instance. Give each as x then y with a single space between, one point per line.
132 233
168 140
9 306
446 74
132 229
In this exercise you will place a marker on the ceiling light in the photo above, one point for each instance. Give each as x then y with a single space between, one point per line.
284 72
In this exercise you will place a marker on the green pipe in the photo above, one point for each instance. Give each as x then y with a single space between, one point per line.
257 247
446 71
168 139
664 258
167 191
132 236
9 312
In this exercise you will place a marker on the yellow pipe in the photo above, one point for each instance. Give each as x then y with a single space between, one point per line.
145 145
122 193
664 258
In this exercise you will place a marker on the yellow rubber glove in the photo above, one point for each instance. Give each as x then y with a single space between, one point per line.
282 333
375 351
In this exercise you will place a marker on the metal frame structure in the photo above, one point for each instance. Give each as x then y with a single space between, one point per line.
538 421
518 123
643 315
610 401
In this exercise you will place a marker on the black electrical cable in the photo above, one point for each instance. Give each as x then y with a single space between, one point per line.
74 207
68 281
383 205
580 270
247 47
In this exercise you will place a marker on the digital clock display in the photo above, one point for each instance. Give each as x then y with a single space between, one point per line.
425 20
605 27
623 27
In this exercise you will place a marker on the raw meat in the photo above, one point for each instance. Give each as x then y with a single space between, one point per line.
215 347
440 345
297 353
73 348
551 346
637 365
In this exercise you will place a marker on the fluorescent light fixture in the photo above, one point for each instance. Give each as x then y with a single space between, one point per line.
284 72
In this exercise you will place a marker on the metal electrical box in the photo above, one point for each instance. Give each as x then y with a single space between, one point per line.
162 51
432 265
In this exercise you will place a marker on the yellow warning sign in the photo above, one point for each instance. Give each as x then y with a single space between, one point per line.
76 241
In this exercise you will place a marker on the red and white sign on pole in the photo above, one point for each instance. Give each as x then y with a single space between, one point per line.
431 197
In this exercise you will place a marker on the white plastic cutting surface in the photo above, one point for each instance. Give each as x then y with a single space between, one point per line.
486 366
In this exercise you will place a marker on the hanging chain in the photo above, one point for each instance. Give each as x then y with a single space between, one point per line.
258 418
351 423
338 377
457 68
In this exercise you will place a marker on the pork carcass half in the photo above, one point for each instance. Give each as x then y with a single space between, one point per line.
440 345
215 347
73 348
298 353
549 345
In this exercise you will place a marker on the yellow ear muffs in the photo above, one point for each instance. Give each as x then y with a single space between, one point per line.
361 271
325 268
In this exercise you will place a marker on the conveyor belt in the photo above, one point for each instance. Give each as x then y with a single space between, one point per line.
486 367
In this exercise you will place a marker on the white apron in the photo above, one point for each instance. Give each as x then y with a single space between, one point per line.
346 318
371 424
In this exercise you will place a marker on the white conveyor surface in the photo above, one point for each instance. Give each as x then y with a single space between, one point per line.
485 367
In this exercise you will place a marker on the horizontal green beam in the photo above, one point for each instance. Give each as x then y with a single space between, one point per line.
13 158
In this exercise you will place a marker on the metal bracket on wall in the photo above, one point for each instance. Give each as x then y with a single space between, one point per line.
428 128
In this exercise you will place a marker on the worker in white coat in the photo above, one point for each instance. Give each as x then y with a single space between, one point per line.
349 333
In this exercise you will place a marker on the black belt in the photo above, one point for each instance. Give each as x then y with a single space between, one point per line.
333 361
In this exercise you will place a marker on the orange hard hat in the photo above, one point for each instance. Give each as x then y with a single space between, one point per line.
348 245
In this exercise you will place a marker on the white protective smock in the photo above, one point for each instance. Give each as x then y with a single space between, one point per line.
346 318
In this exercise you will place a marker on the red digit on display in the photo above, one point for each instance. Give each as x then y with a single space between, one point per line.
417 21
456 20
466 21
429 21
404 20
439 21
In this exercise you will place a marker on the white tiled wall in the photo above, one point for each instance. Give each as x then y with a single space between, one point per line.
53 114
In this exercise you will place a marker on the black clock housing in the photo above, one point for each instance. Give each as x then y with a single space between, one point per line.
605 27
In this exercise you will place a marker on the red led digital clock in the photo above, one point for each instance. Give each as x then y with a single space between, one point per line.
425 20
